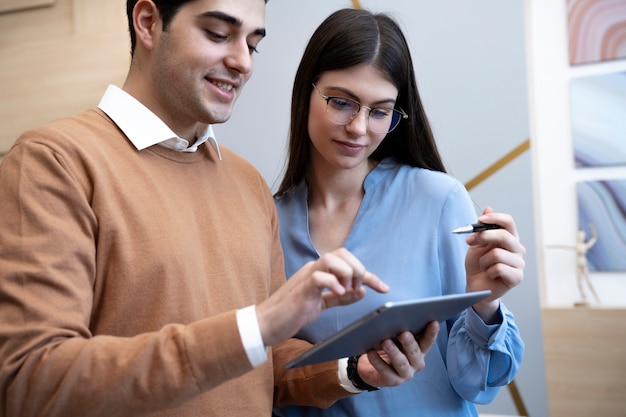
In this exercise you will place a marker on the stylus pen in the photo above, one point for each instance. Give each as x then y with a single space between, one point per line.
476 227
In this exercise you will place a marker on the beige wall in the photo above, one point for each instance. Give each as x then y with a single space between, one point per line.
57 60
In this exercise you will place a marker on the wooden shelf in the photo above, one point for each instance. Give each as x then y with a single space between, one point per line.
585 359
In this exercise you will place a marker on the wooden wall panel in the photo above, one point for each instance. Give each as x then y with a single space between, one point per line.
585 359
93 16
57 61
22 27
10 6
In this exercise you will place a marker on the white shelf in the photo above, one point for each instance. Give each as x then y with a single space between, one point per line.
600 173
600 68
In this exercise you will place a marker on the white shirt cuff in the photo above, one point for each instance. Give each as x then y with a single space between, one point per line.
344 381
251 335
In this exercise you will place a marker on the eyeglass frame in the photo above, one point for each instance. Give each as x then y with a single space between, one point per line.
403 115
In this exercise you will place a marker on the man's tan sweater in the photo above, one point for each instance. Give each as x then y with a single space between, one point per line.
120 274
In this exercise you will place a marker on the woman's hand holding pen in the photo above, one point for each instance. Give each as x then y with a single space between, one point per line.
494 261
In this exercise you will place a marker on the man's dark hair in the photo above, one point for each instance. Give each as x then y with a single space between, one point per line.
167 9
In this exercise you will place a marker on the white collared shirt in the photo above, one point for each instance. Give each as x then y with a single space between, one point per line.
144 128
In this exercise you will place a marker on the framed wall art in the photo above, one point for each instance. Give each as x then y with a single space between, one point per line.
598 119
602 213
596 30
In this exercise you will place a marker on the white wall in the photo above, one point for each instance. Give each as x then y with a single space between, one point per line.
471 68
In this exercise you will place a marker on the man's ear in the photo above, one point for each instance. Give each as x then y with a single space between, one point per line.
147 22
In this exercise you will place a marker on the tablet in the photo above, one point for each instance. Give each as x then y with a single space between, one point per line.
386 322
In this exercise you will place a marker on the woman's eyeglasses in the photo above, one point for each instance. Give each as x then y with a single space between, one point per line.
342 110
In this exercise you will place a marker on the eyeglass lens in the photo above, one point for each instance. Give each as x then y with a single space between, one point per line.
342 110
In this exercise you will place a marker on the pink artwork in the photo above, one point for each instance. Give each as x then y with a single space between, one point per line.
596 30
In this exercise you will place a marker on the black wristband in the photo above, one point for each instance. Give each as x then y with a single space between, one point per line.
355 378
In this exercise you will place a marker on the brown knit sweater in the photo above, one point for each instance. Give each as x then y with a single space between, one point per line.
120 274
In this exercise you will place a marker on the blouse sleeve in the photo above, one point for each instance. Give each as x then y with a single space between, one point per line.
483 358
480 358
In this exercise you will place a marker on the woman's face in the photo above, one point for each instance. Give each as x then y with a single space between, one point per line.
350 145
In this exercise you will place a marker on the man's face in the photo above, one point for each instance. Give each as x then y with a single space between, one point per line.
203 60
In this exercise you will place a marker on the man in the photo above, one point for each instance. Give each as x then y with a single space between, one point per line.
140 266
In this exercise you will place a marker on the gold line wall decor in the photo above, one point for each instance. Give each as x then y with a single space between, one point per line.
499 164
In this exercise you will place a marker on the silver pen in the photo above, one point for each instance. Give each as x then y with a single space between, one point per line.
476 227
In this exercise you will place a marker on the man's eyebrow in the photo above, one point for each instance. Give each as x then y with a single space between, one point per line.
231 20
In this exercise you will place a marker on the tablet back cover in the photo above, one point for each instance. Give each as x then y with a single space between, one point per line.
386 322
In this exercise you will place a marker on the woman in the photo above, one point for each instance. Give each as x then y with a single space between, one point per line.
364 173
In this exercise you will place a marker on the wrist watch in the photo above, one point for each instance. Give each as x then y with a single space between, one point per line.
355 378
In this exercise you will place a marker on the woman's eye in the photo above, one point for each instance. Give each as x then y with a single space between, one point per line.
341 103
380 112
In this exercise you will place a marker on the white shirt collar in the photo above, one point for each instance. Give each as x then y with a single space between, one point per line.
144 128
